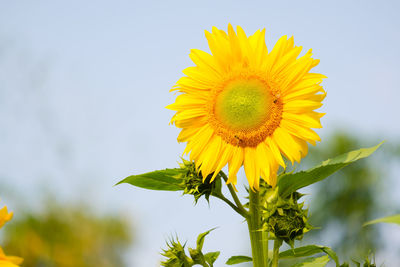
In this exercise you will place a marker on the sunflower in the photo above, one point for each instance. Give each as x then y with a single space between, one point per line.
7 261
5 216
244 106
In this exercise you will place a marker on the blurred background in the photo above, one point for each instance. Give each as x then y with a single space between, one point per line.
83 86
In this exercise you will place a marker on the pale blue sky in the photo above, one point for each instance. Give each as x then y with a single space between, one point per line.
83 86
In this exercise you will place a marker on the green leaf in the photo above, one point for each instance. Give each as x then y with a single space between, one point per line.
314 262
290 182
200 239
390 219
167 180
309 251
211 257
238 259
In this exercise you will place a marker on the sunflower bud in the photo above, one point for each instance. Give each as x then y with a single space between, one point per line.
367 262
287 224
175 255
286 219
193 182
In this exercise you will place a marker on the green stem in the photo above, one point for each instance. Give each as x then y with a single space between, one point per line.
275 259
234 196
227 201
255 231
265 236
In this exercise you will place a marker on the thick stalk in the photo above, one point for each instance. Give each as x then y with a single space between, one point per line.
275 259
256 234
265 236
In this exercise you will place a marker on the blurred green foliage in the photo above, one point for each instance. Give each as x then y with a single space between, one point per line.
68 236
342 203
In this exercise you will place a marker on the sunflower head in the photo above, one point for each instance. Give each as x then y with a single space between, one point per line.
7 261
5 216
241 105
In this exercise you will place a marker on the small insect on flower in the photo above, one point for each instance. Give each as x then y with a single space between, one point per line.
244 106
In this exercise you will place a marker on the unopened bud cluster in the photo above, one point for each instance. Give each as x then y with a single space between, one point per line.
284 218
176 256
193 182
367 262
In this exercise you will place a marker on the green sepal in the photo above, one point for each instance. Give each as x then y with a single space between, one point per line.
309 251
284 218
166 180
367 262
211 257
313 262
290 182
176 256
197 254
201 237
238 259
389 219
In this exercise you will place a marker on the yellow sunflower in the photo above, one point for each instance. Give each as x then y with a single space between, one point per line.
242 105
7 261
5 216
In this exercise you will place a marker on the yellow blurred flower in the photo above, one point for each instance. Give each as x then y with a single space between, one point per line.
241 105
68 236
7 261
5 216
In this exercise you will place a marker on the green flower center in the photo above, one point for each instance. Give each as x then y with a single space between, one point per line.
243 104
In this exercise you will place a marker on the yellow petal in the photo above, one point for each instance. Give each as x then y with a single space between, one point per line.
306 119
286 145
252 172
300 131
301 106
223 158
235 163
275 151
205 60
